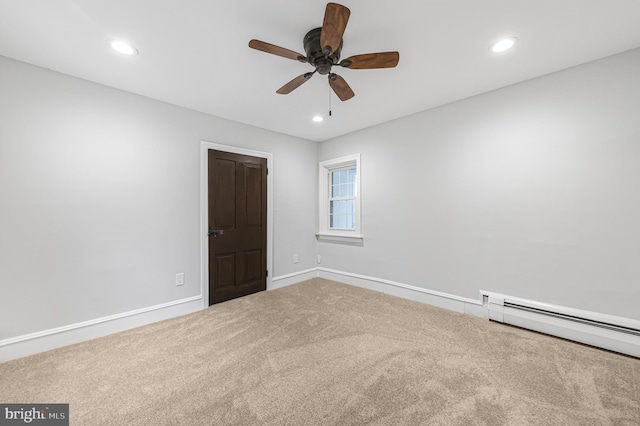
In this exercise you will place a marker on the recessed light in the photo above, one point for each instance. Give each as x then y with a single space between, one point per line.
123 47
503 45
318 119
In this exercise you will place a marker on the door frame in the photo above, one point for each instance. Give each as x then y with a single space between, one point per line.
205 146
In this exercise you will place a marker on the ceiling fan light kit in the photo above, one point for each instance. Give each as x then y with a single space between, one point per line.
323 47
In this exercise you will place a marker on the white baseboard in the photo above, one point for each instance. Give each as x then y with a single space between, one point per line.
489 306
294 278
418 294
33 343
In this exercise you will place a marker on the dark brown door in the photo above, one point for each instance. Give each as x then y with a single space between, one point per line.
237 225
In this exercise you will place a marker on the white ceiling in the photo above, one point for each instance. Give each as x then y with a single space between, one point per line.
194 53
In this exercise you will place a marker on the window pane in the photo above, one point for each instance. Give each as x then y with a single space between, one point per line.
342 221
344 176
344 190
351 222
342 183
351 205
351 190
352 175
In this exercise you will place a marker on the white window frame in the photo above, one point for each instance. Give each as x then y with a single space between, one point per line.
325 233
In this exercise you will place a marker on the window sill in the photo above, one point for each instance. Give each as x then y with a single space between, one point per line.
348 239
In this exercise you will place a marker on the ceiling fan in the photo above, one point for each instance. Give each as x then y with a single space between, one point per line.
323 46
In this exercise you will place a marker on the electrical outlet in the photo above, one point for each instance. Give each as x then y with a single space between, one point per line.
180 278
296 258
318 258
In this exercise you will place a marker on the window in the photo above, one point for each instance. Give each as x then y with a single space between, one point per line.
340 199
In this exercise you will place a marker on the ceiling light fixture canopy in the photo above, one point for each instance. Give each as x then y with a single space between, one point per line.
123 47
318 119
503 44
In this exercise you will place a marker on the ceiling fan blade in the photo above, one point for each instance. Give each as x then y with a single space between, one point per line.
333 26
294 84
276 50
372 60
340 86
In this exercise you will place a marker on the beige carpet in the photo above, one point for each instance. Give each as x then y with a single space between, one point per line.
324 353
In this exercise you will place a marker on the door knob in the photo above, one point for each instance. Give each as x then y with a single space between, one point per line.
215 232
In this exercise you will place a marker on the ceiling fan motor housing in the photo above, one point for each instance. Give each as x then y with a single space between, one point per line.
315 55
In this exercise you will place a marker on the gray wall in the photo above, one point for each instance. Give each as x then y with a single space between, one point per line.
532 191
99 198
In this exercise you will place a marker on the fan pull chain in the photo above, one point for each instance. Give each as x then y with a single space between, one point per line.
329 99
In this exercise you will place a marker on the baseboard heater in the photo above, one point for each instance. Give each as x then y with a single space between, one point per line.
601 330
